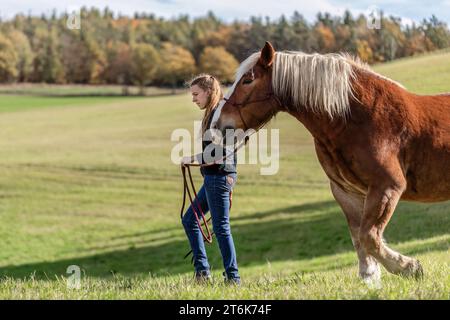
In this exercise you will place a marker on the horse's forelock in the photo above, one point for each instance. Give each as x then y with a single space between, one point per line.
244 67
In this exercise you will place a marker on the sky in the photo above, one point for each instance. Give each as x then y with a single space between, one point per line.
230 10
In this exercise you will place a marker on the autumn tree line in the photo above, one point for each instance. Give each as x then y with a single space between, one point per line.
148 50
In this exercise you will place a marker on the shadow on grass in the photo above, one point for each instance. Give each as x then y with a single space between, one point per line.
291 233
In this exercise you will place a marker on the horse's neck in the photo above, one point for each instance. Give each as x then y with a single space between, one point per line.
366 87
320 126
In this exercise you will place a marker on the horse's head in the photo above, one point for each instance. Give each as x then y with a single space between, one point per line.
250 103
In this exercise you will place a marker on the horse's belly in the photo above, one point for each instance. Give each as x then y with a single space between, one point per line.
428 174
428 183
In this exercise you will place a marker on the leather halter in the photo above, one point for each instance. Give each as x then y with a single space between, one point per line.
269 97
246 102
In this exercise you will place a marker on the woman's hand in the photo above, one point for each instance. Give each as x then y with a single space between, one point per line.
186 160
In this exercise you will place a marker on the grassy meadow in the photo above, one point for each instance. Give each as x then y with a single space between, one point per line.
88 181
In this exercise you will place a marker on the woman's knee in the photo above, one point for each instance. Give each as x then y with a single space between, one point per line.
222 229
188 220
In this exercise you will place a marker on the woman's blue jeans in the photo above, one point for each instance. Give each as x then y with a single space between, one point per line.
214 196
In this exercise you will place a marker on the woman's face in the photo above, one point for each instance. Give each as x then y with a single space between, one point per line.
199 96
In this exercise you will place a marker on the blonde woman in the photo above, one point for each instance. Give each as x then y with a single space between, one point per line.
214 195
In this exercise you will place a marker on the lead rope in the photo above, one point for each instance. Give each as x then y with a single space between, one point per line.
207 237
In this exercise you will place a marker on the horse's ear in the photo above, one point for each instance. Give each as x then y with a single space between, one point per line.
267 55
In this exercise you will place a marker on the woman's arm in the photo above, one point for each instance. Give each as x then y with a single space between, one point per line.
191 159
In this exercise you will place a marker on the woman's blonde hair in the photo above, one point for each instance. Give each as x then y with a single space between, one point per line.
208 83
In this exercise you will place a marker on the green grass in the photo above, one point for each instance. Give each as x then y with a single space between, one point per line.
426 74
90 183
74 90
10 103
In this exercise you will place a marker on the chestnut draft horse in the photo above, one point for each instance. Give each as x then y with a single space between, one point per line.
377 142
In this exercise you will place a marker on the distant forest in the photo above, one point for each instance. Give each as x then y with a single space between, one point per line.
148 50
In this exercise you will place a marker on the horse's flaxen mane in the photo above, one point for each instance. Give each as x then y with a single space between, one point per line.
321 84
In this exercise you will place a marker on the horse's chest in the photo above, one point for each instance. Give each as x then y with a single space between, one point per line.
340 169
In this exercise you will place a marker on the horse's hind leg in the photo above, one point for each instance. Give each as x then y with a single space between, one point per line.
378 209
352 205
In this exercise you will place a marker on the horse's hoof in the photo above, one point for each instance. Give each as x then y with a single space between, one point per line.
414 270
418 271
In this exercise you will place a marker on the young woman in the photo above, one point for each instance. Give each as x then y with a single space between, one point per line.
214 195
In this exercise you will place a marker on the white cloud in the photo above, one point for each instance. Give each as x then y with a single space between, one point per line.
274 9
229 10
226 9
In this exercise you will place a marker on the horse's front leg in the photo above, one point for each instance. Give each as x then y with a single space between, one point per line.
379 206
352 205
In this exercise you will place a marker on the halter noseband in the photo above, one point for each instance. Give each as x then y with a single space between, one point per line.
246 102
242 105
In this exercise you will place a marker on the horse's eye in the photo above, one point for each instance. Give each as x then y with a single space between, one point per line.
247 81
